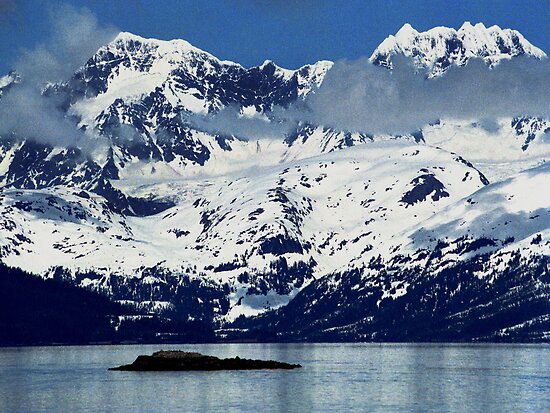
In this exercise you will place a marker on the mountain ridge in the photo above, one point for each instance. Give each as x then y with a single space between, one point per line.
441 47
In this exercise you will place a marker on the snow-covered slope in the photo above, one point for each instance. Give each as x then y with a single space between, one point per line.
260 236
499 148
477 270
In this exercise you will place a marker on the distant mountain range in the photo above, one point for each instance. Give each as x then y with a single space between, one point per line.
322 234
442 47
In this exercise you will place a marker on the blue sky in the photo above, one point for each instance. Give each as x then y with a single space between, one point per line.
291 32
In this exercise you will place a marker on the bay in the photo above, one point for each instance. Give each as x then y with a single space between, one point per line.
334 377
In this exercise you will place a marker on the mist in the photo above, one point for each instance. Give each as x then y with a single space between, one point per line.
229 121
24 110
359 96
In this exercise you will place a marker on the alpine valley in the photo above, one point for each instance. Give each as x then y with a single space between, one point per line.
316 234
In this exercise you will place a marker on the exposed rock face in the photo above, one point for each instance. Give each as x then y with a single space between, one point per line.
189 361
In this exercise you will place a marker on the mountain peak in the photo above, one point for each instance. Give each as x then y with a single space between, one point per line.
469 26
125 36
441 47
406 32
179 44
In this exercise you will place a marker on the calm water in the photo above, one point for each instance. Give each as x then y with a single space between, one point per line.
335 377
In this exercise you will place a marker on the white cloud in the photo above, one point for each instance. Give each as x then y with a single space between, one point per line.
359 96
75 36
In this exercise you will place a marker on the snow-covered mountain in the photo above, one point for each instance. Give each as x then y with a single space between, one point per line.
140 93
180 220
477 270
149 84
441 47
262 236
500 149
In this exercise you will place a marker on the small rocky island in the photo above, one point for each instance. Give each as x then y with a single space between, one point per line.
188 361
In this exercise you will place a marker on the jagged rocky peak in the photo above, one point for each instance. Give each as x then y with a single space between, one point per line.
126 37
175 51
179 66
171 76
182 47
439 48
122 63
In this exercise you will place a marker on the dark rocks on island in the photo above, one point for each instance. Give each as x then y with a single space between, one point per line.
189 361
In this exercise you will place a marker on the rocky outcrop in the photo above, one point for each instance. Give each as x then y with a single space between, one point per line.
189 361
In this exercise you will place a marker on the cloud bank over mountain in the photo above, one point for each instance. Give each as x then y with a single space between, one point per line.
356 96
229 121
24 111
360 96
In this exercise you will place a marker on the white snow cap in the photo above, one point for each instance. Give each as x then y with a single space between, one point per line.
430 49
